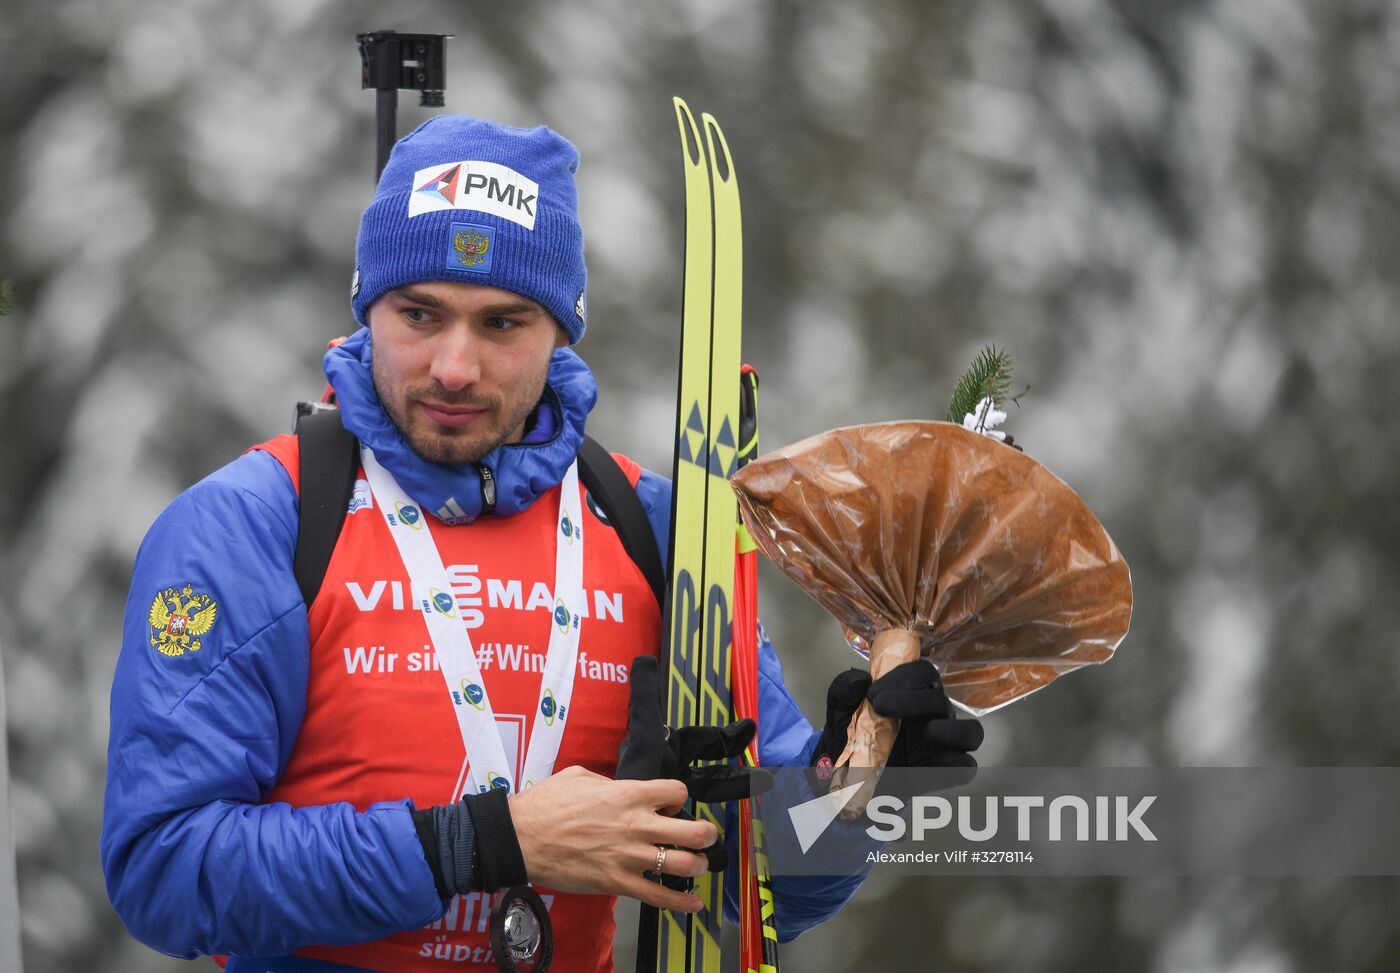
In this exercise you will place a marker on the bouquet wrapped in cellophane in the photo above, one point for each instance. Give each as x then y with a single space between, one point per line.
928 539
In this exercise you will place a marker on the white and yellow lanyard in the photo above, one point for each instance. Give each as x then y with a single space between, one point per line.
432 588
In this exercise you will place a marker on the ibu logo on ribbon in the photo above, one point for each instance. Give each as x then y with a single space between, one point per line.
471 694
570 530
440 601
550 708
499 781
406 514
563 617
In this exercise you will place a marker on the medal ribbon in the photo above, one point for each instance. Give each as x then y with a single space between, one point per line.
456 656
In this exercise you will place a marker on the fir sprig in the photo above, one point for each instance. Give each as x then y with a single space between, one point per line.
6 301
989 376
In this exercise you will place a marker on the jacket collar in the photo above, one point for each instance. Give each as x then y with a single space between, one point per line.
521 472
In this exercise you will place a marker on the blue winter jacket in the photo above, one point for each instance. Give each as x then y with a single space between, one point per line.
195 862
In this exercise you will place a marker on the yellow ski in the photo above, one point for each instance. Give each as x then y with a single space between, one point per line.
698 613
721 506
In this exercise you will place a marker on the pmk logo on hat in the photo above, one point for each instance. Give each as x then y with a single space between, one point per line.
471 247
486 187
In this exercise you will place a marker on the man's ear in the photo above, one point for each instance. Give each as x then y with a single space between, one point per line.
562 338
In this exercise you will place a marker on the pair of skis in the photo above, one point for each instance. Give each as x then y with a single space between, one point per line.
703 635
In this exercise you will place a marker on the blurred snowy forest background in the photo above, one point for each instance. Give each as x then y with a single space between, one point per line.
1183 218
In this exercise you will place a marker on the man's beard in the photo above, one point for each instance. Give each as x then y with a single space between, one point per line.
437 444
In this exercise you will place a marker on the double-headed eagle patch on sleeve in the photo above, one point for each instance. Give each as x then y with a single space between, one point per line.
178 619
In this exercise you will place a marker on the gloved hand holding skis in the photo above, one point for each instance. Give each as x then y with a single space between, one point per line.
651 751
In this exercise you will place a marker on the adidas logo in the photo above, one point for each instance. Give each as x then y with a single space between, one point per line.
452 513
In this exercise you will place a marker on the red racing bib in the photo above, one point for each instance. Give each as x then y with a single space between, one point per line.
379 724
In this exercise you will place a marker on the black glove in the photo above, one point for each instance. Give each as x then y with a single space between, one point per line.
929 734
843 698
652 751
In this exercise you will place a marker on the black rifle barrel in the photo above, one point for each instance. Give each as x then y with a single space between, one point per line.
390 61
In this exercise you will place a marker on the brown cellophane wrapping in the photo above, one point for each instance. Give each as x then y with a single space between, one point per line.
1000 571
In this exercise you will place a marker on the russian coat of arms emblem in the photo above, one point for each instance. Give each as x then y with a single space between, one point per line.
471 247
178 619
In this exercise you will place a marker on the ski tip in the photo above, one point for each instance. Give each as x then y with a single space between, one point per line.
690 132
715 136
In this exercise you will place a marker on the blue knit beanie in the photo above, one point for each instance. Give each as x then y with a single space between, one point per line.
462 199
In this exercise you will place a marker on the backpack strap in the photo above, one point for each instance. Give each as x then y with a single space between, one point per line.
328 461
615 495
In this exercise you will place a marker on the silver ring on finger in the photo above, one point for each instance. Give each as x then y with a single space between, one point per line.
660 859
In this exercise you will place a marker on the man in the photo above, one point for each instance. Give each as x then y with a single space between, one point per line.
330 780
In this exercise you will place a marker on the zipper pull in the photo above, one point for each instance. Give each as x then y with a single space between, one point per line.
488 489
